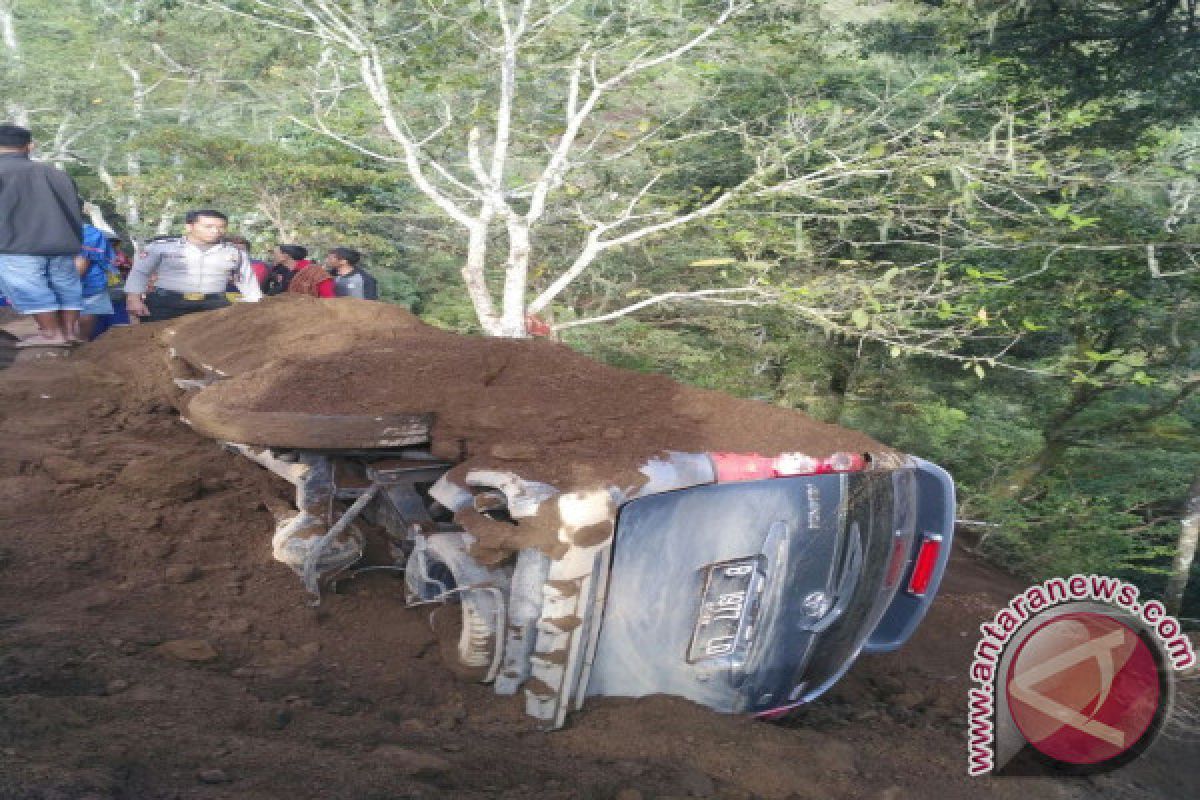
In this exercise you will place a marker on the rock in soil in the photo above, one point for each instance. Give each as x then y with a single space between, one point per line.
212 776
193 650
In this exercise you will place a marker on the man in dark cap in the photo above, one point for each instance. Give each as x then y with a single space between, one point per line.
41 231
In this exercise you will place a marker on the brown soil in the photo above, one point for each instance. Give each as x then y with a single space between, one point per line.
531 407
562 416
151 649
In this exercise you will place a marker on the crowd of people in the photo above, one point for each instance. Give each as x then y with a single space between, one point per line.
66 271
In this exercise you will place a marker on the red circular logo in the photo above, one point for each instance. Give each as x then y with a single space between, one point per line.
1083 688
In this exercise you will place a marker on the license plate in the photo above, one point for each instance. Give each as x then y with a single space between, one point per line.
193 296
728 606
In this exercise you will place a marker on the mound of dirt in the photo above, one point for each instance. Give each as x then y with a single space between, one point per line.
531 407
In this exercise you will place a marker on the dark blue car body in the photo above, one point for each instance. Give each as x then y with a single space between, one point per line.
757 596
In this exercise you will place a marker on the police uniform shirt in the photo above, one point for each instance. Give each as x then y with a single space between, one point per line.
182 266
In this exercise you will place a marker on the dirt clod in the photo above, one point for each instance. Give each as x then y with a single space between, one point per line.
212 776
696 784
194 650
411 762
182 573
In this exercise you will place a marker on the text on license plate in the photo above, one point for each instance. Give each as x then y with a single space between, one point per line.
727 603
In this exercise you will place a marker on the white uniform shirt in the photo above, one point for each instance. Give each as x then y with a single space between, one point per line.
182 266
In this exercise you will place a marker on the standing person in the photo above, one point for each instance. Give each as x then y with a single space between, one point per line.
120 260
41 225
295 274
261 270
291 260
95 265
350 280
190 271
116 290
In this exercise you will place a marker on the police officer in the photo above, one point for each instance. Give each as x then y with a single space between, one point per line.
191 271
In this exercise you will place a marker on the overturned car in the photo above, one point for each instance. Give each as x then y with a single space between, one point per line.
747 583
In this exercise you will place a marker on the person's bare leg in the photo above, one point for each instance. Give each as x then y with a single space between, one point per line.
69 323
87 326
50 325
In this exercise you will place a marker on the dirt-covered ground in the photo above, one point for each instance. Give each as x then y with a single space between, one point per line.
151 648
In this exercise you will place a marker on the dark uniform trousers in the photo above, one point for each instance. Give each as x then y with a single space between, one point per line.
166 304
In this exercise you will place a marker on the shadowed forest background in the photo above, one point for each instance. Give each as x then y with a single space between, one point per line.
969 229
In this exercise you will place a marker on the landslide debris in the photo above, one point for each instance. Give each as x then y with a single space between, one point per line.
532 407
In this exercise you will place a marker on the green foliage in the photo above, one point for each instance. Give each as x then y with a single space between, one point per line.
396 287
452 311
685 354
1107 510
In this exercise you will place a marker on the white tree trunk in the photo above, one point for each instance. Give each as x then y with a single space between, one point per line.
1189 534
473 274
14 111
8 30
165 218
133 208
516 275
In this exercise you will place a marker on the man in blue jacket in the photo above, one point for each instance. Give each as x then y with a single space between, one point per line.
95 264
41 225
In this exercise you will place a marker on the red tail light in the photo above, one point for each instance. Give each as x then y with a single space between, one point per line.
927 559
